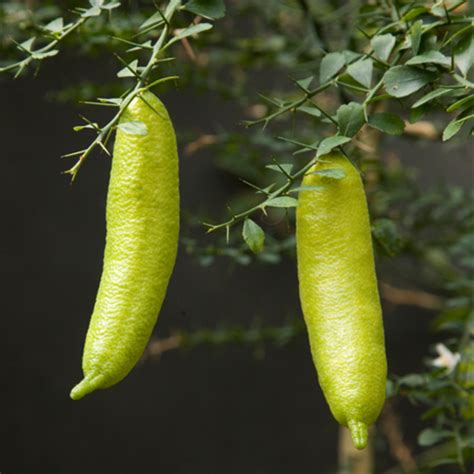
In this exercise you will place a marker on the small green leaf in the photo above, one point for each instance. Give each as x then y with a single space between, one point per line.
283 168
172 6
55 26
128 71
145 45
331 64
460 103
383 45
114 101
48 54
431 57
93 11
350 56
333 173
414 13
269 257
412 380
305 83
93 126
156 19
463 81
350 118
253 235
306 188
387 123
111 5
437 9
390 388
430 96
211 9
452 129
386 234
415 36
192 30
134 127
282 201
417 114
27 45
309 110
464 54
401 81
430 436
361 71
330 143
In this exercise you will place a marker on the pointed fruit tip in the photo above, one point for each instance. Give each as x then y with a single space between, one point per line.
359 433
86 386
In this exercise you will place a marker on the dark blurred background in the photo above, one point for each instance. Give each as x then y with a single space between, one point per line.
211 409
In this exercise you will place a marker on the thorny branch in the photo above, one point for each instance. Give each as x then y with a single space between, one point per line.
45 51
59 32
141 86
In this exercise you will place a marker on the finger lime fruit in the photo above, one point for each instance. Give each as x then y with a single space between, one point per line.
142 236
339 295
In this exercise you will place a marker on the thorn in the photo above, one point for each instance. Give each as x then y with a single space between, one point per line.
152 108
363 32
251 185
107 152
161 13
74 153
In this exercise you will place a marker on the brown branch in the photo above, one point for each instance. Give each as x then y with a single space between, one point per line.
189 49
401 296
201 142
422 129
156 347
390 425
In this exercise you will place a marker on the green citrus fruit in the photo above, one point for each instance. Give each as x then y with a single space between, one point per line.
338 292
141 245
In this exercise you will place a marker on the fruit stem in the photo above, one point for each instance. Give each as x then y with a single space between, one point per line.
359 433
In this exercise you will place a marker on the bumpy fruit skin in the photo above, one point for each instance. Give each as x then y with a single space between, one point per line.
339 296
141 245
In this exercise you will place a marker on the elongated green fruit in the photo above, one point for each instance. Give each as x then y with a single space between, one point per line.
142 236
339 296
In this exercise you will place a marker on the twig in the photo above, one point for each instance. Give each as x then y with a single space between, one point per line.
281 190
156 347
200 142
139 87
255 335
401 296
423 129
390 425
45 49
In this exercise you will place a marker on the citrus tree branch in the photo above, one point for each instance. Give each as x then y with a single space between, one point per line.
139 87
57 30
142 75
280 191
